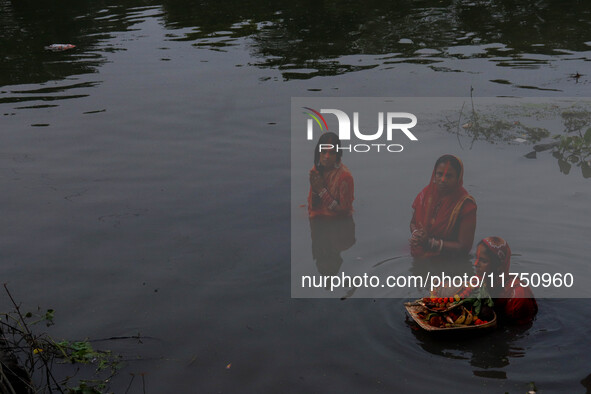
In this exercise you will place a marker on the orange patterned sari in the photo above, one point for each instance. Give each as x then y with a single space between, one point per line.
440 215
339 199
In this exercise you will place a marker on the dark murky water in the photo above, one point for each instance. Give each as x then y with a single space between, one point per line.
146 185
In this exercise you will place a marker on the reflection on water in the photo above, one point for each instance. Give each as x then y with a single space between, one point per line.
27 27
489 353
142 220
587 383
303 39
306 40
456 266
330 237
566 161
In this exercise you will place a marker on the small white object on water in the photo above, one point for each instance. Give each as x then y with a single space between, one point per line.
59 47
519 139
405 41
427 51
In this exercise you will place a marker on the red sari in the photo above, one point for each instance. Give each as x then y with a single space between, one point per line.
339 196
516 303
441 215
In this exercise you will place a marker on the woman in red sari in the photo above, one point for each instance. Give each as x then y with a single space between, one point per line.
331 183
514 303
444 217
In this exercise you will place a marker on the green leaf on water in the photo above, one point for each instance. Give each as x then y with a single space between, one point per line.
587 137
49 315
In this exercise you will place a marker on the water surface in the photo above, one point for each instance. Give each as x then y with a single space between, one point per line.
146 185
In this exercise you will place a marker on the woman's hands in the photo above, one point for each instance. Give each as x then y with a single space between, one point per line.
316 181
419 236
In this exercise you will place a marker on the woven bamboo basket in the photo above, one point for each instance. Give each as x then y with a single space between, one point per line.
414 308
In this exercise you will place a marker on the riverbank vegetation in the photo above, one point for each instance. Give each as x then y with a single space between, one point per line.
31 361
560 127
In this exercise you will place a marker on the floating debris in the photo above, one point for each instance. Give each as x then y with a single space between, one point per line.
59 47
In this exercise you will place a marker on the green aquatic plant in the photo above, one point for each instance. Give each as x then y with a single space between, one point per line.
575 120
520 124
574 149
502 124
492 129
576 144
44 365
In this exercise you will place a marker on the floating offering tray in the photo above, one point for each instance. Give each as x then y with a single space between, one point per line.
416 308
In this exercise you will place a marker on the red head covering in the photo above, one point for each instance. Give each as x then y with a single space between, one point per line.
500 248
518 304
437 213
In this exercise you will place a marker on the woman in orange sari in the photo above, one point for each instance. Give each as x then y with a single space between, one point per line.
444 217
514 303
331 183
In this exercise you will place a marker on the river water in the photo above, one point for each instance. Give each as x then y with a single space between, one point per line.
147 186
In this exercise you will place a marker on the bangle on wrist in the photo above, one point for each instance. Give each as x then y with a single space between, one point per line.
436 245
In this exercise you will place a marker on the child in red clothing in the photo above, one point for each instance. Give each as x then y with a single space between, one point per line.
514 302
